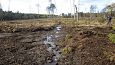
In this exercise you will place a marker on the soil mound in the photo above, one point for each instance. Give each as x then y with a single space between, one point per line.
91 47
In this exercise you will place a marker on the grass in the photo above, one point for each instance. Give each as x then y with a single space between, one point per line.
35 23
12 26
113 27
66 50
83 22
28 23
67 44
47 22
112 37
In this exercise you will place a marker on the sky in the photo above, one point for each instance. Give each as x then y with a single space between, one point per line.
62 6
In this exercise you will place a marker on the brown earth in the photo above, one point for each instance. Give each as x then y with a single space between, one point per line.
23 49
21 43
87 46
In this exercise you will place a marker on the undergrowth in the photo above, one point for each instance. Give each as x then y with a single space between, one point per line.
112 37
67 43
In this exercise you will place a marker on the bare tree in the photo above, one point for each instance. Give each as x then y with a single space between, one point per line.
92 10
74 9
38 7
50 9
0 7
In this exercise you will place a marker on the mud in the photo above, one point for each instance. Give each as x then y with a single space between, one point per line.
90 45
23 49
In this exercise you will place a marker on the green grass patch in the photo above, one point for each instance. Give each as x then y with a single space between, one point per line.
112 37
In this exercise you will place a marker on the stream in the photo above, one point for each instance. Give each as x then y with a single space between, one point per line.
49 41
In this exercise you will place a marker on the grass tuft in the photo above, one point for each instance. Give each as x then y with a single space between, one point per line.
66 50
112 37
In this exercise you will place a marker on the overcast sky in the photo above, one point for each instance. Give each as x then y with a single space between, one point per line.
63 6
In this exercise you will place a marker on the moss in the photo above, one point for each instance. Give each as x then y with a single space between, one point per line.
67 43
112 37
66 50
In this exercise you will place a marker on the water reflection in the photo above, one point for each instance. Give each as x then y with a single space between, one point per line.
49 41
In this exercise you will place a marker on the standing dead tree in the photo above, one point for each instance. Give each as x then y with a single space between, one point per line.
92 11
50 9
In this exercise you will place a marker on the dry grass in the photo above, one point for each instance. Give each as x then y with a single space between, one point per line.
28 23
85 22
51 22
35 23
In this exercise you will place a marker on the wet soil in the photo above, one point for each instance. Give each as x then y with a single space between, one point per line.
90 46
23 48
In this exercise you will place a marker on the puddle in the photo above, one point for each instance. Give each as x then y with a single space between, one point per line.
49 41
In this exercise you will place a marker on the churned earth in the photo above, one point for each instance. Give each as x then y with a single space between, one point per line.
23 49
87 45
23 44
79 45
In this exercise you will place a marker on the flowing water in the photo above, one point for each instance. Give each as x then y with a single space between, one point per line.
49 41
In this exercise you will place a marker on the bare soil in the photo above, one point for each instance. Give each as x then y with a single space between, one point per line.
24 46
21 44
90 46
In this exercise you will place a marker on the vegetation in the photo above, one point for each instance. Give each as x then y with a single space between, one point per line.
25 25
67 42
112 37
66 50
9 15
101 19
83 42
113 27
50 9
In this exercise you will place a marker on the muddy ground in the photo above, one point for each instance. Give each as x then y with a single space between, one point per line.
85 45
24 46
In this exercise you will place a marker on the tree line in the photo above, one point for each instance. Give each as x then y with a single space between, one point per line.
9 15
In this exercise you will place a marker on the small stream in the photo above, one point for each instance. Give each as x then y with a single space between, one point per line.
49 41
